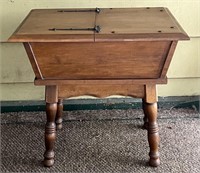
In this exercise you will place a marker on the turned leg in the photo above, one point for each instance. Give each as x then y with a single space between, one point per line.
50 134
50 128
153 136
150 110
145 119
59 114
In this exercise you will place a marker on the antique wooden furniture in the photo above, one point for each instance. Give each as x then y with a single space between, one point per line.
100 52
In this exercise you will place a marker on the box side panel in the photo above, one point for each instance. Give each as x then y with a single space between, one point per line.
129 60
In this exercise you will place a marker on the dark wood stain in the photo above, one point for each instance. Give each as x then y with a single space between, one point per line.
129 56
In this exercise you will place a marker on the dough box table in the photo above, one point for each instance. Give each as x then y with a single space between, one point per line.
100 52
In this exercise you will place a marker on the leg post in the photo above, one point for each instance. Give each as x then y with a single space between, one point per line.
153 135
150 110
145 119
50 134
50 128
59 114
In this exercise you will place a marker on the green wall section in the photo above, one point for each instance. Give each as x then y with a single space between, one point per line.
110 103
17 77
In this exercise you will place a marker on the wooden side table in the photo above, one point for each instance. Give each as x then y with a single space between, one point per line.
100 52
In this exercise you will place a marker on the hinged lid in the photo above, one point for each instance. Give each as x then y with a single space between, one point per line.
138 24
57 25
89 25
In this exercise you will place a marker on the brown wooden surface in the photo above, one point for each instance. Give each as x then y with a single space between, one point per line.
51 94
33 61
127 24
99 82
38 23
129 56
59 114
168 59
153 135
150 93
145 118
51 97
149 104
50 134
100 60
65 91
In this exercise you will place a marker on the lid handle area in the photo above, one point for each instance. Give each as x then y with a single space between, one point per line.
96 29
97 10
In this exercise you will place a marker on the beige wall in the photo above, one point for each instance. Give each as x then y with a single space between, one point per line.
16 74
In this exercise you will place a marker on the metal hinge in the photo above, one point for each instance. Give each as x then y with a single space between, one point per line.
96 29
97 10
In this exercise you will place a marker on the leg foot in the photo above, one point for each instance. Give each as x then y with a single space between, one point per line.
154 162
48 162
59 114
153 135
50 134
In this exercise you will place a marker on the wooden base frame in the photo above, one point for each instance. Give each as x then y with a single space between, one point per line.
54 107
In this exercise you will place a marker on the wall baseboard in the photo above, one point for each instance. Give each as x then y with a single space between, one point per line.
192 102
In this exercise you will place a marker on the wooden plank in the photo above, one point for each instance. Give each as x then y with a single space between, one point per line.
139 37
168 59
33 61
150 93
66 91
148 23
51 38
40 21
120 24
100 82
101 60
51 94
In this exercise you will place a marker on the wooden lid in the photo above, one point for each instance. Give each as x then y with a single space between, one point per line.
138 24
79 25
39 26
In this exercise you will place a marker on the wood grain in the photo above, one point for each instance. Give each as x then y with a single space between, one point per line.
129 56
120 24
99 82
149 22
37 25
51 97
153 135
66 91
101 60
50 134
135 20
168 59
150 93
51 94
33 61
59 113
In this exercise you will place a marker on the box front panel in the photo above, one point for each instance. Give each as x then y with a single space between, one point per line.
121 60
66 91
